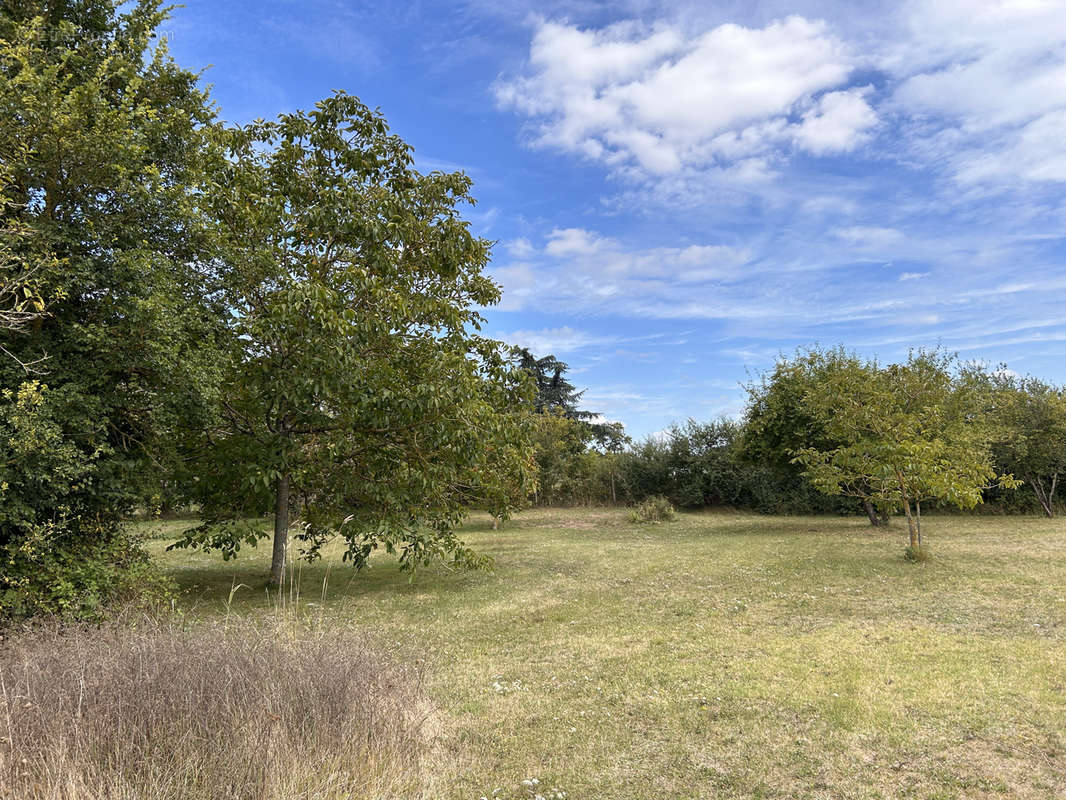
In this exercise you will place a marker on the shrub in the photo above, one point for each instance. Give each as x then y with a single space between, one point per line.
157 712
49 571
916 555
62 547
654 509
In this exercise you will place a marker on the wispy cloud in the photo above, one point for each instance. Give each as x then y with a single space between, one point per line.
554 341
985 85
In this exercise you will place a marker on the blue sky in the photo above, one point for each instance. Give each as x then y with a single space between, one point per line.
680 192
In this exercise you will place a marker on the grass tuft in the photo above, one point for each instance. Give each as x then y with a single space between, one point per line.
917 555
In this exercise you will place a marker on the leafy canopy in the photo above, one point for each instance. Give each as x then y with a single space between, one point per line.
106 322
356 378
900 434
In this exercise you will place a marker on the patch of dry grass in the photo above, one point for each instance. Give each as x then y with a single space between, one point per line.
721 655
153 712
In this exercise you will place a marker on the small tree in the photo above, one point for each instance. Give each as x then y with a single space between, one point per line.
357 390
903 433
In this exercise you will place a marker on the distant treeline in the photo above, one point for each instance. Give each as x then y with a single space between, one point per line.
824 432
699 465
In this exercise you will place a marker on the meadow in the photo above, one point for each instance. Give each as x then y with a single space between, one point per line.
719 655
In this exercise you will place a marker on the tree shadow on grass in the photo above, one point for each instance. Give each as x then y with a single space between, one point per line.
241 583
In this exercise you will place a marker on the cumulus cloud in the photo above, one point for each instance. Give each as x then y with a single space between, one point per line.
662 100
840 122
519 248
975 89
904 185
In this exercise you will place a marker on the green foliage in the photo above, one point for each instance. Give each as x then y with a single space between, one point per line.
54 558
554 393
654 509
23 272
102 298
48 571
900 434
1028 419
778 420
355 381
563 459
577 454
697 465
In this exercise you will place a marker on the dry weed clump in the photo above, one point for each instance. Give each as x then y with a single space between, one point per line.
155 711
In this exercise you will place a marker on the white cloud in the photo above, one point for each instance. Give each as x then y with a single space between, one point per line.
555 341
519 248
600 268
1035 152
986 81
574 242
840 122
660 100
975 89
938 227
870 236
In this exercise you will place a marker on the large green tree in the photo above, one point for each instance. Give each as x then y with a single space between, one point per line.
359 397
779 421
103 296
554 392
900 434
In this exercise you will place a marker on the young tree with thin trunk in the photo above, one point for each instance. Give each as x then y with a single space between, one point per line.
358 396
905 433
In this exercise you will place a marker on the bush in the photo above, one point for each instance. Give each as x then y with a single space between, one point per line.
157 713
916 555
63 550
654 509
50 571
700 465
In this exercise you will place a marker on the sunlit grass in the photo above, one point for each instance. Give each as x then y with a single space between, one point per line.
720 655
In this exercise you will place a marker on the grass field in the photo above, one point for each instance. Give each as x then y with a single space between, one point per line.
720 655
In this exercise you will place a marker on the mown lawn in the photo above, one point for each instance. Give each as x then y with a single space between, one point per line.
720 655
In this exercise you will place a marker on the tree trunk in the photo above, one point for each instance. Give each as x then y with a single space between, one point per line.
918 520
281 530
1046 498
912 524
871 512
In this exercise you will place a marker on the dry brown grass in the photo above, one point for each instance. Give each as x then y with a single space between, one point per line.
154 711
